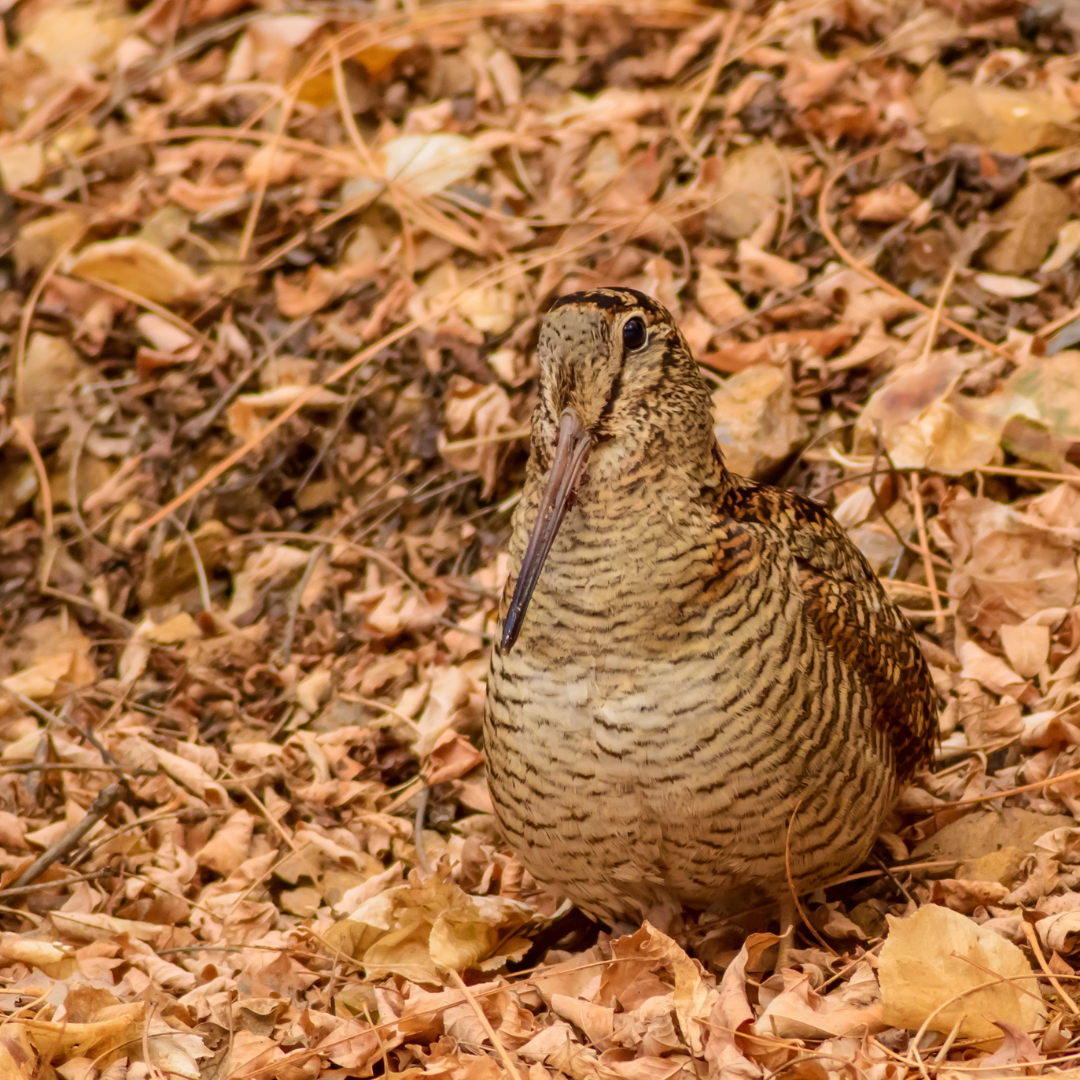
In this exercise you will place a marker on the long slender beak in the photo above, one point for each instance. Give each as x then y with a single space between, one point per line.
570 452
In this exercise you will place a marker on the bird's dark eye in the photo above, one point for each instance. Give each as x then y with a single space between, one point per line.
633 334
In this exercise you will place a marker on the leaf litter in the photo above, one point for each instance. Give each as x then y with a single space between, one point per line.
269 285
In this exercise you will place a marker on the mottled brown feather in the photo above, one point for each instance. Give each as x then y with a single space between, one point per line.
853 615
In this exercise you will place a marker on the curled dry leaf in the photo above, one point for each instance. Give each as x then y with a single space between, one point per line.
1068 243
895 202
797 1012
1061 932
423 929
989 670
476 416
925 422
760 269
1003 558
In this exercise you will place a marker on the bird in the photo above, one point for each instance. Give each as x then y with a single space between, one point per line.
700 695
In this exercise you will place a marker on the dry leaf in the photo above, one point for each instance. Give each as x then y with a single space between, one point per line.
1033 217
1068 243
758 269
1012 287
1027 647
21 165
139 267
998 118
419 930
476 416
756 421
751 188
939 968
716 297
229 845
52 370
426 163
887 204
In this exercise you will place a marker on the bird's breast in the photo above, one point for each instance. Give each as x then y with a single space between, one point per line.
625 574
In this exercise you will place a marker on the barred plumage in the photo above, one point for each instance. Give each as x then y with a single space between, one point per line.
695 672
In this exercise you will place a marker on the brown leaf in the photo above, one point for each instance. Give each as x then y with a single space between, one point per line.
932 957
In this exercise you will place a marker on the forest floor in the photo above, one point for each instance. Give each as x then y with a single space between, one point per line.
270 282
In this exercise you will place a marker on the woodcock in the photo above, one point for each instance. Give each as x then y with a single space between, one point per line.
696 677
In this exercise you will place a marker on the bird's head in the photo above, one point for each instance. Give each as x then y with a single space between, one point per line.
620 394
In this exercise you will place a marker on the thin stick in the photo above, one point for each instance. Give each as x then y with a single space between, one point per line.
928 563
62 766
105 801
485 1023
718 61
1036 948
503 436
1027 474
157 309
28 315
935 315
259 195
946 1046
1073 774
59 883
91 605
418 830
196 558
1057 324
365 155
296 599
24 428
371 703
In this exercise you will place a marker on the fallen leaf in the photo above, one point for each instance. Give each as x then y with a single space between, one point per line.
1068 243
1012 287
758 268
894 202
426 164
751 188
1033 217
756 423
21 165
998 118
939 968
1027 646
420 930
716 297
52 370
139 267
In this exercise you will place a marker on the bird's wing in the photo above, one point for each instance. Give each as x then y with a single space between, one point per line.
854 616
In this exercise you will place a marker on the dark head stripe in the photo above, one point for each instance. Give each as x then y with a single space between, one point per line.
613 300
